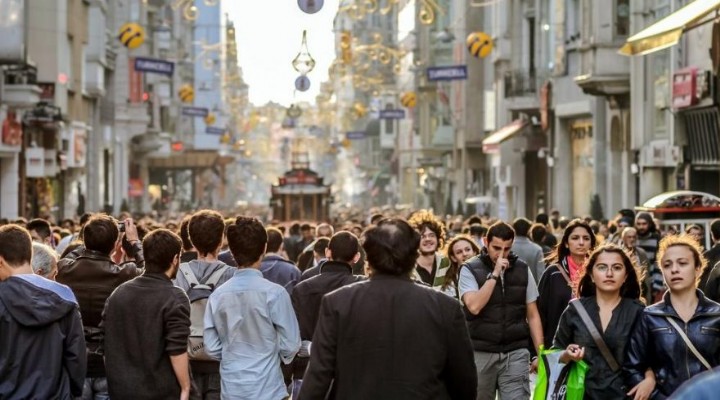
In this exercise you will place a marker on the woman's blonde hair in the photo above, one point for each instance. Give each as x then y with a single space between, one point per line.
682 240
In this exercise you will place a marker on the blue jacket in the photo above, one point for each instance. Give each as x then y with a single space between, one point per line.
654 343
42 346
281 271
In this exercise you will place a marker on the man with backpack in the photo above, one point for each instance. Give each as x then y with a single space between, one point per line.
199 278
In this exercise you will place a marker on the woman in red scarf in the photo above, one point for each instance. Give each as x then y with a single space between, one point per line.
559 281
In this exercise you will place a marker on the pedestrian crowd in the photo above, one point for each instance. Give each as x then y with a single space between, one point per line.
413 306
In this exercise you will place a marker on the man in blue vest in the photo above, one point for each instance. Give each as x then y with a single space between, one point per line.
500 296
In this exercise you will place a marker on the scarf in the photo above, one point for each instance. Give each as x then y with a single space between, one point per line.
573 268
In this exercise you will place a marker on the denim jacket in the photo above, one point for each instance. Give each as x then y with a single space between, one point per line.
655 344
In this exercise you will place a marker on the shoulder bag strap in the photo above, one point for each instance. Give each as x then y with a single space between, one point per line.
564 274
614 366
688 343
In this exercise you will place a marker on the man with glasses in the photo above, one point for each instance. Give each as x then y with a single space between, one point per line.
431 266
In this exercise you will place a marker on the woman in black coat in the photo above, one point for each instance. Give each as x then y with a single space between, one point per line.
610 293
556 286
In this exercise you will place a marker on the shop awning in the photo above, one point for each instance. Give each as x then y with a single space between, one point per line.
668 30
491 144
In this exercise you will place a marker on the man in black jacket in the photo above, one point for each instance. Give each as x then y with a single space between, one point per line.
389 338
42 348
710 278
336 272
146 347
93 276
500 303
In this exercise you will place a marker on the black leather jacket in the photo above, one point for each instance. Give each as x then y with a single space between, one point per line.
93 276
655 344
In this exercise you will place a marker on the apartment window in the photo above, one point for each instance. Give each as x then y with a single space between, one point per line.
531 46
573 22
622 17
659 64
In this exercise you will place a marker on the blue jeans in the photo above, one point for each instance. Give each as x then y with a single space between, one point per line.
95 389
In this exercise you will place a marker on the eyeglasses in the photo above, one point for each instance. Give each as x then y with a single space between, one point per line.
616 269
429 235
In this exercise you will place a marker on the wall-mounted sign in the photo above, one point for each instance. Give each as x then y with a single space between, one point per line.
355 135
155 66
195 111
392 114
684 88
448 73
212 130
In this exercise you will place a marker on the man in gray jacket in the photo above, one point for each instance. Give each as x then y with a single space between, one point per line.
526 249
206 229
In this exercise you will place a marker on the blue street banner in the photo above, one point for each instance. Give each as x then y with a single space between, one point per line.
448 73
195 111
212 130
392 114
355 135
154 66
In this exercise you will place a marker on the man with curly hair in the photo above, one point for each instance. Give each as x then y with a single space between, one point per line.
431 265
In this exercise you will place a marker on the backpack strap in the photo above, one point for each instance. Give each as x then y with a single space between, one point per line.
604 350
215 277
189 275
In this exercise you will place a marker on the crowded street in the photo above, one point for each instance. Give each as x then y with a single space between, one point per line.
359 199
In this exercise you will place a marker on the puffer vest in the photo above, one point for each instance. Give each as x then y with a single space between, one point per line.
501 326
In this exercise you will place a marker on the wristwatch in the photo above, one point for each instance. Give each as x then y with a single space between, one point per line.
491 276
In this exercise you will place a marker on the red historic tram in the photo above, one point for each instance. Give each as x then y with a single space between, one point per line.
300 193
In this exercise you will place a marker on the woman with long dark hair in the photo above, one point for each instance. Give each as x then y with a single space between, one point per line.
678 337
558 282
609 293
460 249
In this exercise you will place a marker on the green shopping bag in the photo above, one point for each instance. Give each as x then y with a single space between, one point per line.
558 381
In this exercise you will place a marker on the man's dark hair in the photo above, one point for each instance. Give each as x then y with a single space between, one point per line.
375 218
715 229
474 219
478 230
500 230
69 221
563 223
85 218
320 245
537 233
184 234
391 247
521 226
100 233
160 247
247 240
694 226
15 245
426 219
206 229
41 226
305 227
344 246
274 240
542 218
294 229
595 225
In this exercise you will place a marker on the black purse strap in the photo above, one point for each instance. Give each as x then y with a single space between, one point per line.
604 350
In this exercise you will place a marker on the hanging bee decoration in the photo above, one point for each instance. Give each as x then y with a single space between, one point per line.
131 35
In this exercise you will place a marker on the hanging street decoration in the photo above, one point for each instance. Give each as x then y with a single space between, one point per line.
195 111
303 62
359 9
479 44
155 66
408 100
302 83
294 111
210 119
447 73
186 93
310 6
131 35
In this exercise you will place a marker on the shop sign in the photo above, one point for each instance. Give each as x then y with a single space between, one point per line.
135 187
684 88
447 73
11 130
392 114
35 162
152 65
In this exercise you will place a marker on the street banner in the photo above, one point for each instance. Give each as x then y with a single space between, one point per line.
355 135
392 114
195 111
212 130
154 66
447 73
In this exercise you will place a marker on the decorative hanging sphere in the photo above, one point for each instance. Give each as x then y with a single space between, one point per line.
131 35
294 111
408 100
302 83
359 110
479 44
186 93
210 119
310 6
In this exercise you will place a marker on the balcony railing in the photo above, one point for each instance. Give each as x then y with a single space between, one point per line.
521 83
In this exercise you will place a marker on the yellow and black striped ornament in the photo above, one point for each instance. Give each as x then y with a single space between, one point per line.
186 93
131 35
479 44
408 99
